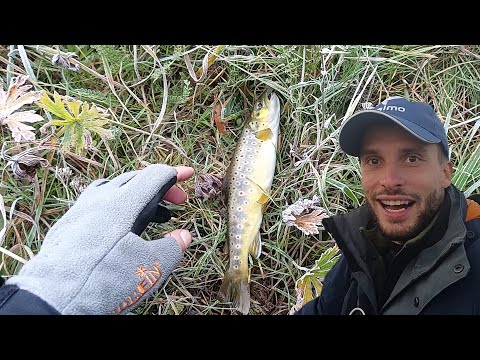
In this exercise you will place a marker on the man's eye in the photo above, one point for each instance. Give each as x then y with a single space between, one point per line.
412 159
372 161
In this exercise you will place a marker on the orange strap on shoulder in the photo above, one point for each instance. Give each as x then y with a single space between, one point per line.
473 210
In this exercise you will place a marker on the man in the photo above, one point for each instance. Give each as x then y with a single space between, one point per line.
412 249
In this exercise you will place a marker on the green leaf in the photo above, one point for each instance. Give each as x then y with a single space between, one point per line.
77 120
310 284
79 137
103 133
74 106
67 140
57 108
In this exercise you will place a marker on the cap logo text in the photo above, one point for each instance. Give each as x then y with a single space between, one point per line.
391 108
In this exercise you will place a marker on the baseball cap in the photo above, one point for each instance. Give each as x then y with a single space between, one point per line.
417 118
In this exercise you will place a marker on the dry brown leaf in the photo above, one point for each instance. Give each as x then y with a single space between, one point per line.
305 215
210 60
25 164
207 61
217 116
308 223
208 185
65 61
16 96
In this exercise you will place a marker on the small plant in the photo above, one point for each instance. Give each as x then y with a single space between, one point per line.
77 121
309 286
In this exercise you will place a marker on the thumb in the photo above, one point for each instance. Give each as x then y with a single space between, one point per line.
183 237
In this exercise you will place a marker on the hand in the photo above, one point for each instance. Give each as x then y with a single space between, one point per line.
93 261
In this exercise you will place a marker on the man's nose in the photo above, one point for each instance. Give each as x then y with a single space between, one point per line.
392 177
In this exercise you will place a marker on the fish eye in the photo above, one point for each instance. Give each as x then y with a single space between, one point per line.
259 105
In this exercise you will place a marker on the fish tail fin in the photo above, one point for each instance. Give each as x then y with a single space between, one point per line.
235 289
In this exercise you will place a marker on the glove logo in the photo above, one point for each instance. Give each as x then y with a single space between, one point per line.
148 279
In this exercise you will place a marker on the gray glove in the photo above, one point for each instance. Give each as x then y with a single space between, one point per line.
92 261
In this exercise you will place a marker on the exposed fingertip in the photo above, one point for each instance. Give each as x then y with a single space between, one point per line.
186 238
184 172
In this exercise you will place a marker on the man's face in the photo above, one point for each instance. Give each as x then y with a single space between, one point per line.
403 179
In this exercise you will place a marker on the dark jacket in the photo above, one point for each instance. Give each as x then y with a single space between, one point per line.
15 301
443 278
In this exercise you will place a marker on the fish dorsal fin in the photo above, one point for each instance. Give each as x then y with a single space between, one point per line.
226 184
256 247
264 134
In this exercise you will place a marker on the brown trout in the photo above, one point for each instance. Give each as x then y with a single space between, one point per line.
246 188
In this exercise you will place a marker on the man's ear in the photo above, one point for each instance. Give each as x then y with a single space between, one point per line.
447 173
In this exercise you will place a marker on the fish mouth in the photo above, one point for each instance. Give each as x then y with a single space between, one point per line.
274 101
274 108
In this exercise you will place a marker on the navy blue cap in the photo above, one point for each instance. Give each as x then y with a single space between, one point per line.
417 118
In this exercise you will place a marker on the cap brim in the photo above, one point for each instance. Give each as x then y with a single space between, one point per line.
354 128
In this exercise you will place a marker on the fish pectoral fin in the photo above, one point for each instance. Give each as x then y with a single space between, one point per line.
226 185
264 134
226 248
263 199
264 208
256 247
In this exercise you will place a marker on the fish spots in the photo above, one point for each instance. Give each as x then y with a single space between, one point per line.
239 226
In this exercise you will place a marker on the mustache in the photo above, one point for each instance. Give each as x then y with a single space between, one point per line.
396 192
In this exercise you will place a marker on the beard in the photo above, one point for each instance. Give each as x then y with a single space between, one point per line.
431 207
